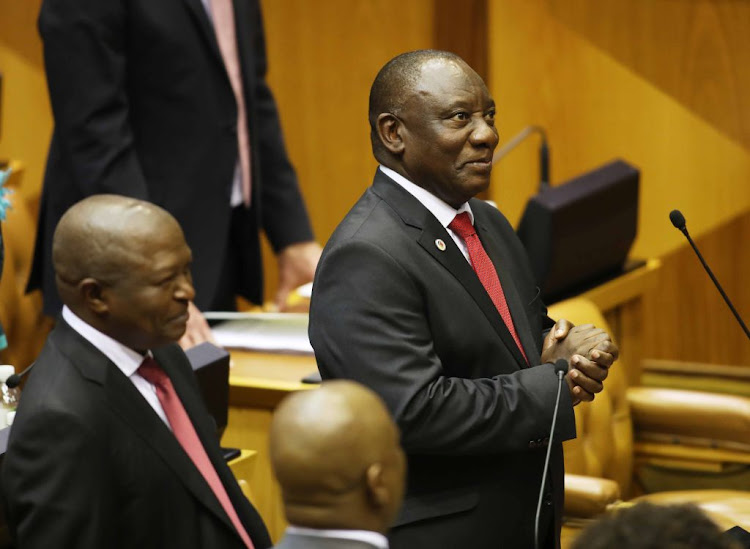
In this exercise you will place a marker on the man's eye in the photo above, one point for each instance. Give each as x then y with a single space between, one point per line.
165 281
490 115
461 116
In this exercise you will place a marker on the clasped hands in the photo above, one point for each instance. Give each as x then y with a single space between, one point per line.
589 352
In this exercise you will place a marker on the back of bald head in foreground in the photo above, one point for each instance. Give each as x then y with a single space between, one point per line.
336 453
122 266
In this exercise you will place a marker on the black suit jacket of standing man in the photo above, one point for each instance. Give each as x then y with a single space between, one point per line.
143 107
91 465
393 311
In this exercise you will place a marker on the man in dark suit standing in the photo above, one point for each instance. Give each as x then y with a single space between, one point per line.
336 454
112 446
425 295
167 102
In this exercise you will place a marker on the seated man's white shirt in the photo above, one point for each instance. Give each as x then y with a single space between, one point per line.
373 538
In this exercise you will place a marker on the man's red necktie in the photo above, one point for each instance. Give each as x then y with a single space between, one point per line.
482 265
185 432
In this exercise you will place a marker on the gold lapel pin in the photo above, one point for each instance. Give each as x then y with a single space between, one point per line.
440 244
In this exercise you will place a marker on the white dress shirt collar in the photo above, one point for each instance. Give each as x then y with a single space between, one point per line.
375 539
207 7
442 211
125 358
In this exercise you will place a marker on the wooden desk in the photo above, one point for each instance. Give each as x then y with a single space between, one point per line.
258 381
243 469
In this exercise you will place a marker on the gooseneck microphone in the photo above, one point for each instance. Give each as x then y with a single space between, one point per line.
543 152
561 368
678 220
14 380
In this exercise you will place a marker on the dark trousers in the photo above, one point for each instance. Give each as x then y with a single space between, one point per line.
242 270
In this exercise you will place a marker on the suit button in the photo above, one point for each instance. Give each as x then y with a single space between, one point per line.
548 499
545 441
532 444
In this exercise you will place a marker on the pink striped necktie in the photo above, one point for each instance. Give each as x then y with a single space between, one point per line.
482 265
185 433
222 12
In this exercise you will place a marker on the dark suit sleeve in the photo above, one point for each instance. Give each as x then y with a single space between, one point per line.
368 323
85 61
284 217
62 495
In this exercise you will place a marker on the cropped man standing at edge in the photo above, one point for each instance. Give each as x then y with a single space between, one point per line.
168 102
425 295
112 445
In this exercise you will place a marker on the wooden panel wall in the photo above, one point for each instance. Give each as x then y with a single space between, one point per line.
596 108
322 59
696 51
688 319
662 84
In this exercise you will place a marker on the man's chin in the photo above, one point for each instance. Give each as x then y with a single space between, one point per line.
174 332
475 186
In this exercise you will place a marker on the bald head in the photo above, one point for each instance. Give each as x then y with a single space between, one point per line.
335 451
394 85
122 265
97 235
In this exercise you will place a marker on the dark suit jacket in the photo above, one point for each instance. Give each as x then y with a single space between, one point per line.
90 464
391 310
143 107
295 541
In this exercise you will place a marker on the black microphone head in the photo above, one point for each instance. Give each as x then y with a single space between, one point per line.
14 380
561 366
677 219
543 165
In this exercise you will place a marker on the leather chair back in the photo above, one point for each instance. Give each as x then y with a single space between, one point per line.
604 445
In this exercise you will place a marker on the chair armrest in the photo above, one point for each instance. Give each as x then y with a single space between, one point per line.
715 378
587 497
692 417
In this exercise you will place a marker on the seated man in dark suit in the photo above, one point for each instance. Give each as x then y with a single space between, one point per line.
425 295
112 446
336 454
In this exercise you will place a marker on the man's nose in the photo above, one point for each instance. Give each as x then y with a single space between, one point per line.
185 289
484 133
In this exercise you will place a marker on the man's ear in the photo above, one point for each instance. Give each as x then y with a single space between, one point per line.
377 491
91 292
390 131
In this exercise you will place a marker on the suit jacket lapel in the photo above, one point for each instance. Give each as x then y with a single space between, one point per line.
125 400
205 27
501 260
204 428
248 44
414 214
128 403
